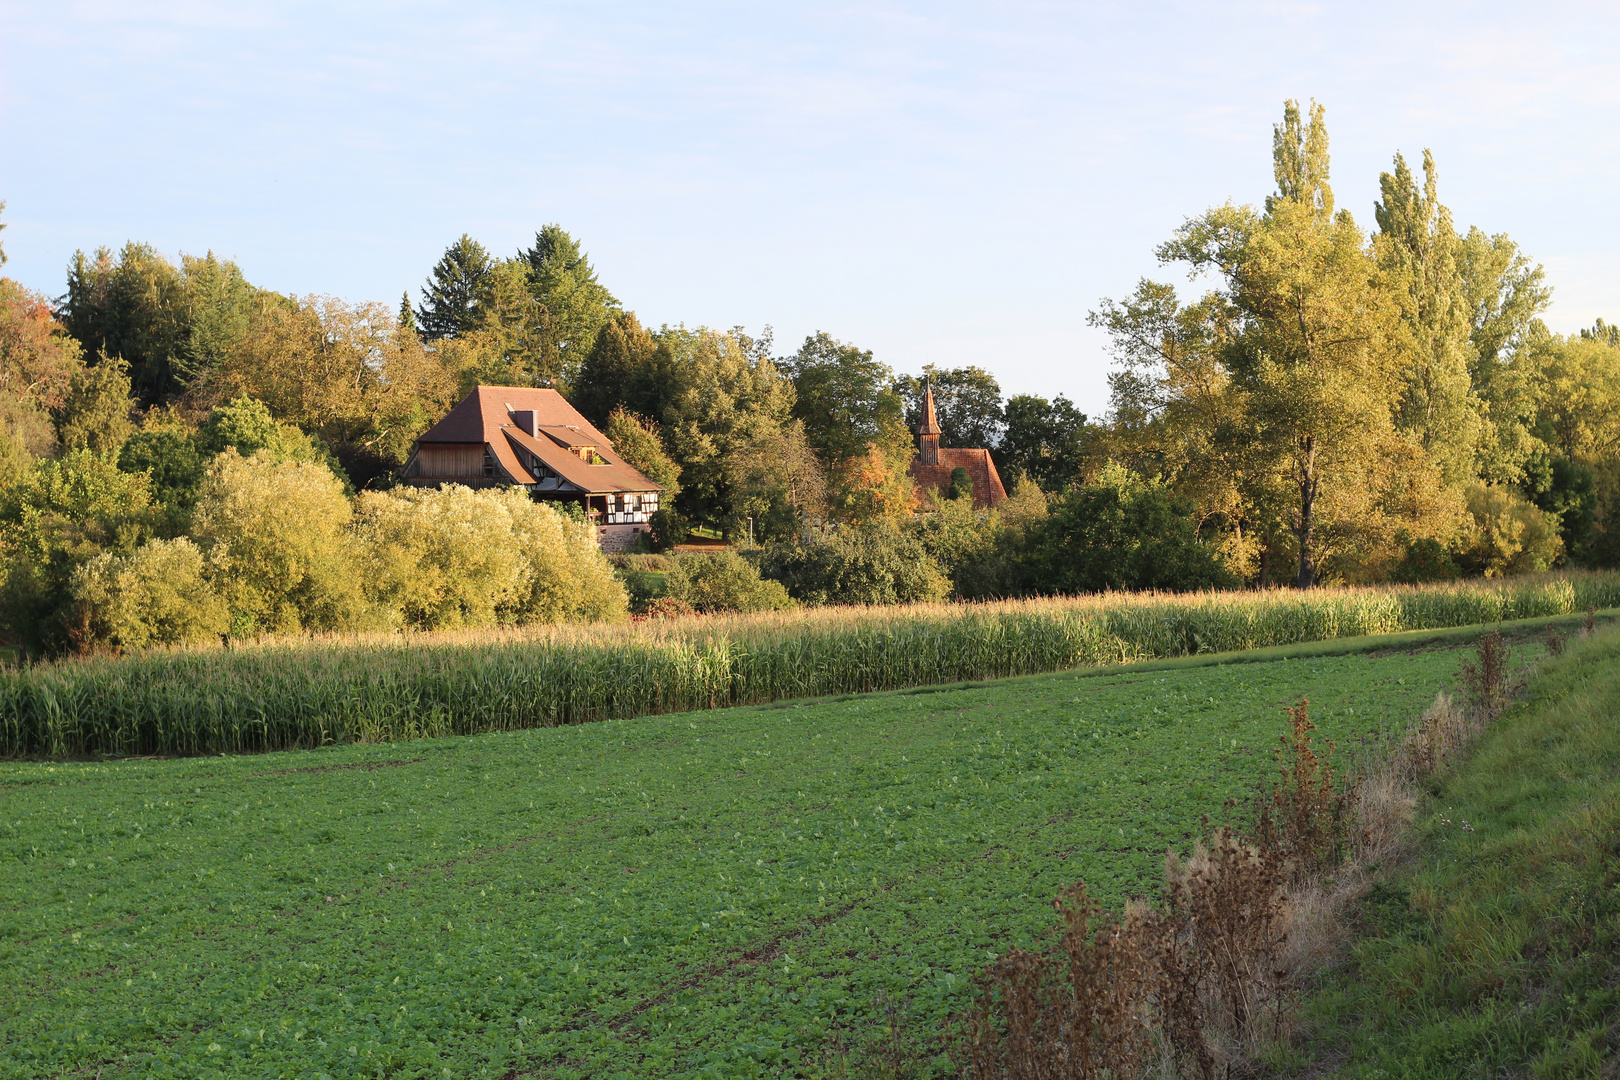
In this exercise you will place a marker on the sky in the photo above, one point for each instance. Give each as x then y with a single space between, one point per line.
939 182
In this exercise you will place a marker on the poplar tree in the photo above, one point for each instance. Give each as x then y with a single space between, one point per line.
1417 247
1315 351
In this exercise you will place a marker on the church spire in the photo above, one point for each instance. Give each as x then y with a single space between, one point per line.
928 433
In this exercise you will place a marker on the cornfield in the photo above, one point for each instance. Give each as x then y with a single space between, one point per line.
307 692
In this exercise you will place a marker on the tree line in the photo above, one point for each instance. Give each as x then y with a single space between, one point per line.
1337 405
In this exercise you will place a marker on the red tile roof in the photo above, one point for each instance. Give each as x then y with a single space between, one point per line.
484 416
987 489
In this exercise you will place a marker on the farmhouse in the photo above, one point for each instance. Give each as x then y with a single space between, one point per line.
931 469
532 438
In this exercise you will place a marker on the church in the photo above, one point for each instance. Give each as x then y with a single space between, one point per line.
931 469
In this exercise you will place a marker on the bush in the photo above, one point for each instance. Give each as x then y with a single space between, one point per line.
1510 535
1122 534
724 581
1426 559
437 558
56 517
875 563
277 532
158 594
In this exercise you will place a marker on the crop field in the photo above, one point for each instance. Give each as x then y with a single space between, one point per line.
733 892
303 693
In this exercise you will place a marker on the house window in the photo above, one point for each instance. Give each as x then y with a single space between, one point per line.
489 463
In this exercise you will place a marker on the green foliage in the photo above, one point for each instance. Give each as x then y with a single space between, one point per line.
95 413
438 558
1510 535
158 594
560 277
1045 440
1494 952
723 581
246 426
844 397
276 530
1122 534
967 400
637 441
53 519
589 901
172 325
960 486
871 563
1425 559
170 459
619 371
459 284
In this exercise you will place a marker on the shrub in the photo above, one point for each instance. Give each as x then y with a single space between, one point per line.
1425 559
158 594
56 517
1510 536
723 581
277 531
437 558
875 563
1122 534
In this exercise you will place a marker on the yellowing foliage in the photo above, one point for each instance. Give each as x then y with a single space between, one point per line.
449 557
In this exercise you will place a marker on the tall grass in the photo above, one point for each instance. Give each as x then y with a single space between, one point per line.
308 692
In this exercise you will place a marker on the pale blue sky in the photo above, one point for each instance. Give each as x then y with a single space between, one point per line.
945 182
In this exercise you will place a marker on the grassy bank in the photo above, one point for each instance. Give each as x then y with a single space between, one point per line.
727 893
280 695
1497 953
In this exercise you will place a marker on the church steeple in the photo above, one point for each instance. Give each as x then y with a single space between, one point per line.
928 432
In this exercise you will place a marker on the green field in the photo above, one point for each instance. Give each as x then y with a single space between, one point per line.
721 893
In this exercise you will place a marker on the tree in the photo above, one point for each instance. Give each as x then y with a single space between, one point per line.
636 440
38 362
723 581
95 413
277 530
57 517
1122 534
578 306
845 398
173 325
436 558
2 229
967 400
608 378
1316 352
459 284
1417 247
872 563
1046 441
158 594
714 400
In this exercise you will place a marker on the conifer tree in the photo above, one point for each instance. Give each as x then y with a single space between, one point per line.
578 306
461 281
407 317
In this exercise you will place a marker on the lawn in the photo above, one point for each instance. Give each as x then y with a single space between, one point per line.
1495 951
720 893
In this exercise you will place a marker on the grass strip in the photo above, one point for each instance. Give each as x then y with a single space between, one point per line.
1497 950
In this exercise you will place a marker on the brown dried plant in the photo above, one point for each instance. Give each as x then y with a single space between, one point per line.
1485 679
1554 641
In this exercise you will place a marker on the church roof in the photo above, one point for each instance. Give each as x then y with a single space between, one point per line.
987 490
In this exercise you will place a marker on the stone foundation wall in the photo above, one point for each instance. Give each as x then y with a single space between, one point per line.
616 538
